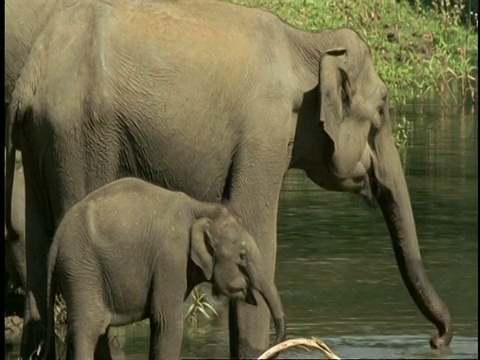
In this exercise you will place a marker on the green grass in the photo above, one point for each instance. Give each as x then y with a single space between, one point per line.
419 51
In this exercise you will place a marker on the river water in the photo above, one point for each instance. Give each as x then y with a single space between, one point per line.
336 270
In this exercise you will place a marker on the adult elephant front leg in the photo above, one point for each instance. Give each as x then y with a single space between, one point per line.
254 193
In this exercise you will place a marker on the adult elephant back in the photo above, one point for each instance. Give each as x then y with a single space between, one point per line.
24 21
215 100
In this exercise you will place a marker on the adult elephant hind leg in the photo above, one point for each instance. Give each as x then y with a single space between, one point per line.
254 196
37 244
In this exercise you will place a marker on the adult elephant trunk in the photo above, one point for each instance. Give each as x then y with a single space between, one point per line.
271 296
392 195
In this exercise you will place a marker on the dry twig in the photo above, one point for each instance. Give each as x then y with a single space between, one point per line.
301 342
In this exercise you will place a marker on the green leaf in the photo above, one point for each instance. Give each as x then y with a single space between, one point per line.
211 308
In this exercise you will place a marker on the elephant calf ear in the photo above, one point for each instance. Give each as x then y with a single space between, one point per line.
201 251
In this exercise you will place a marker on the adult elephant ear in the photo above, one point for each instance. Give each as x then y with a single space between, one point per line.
349 134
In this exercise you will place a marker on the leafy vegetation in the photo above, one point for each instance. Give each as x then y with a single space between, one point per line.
418 50
199 305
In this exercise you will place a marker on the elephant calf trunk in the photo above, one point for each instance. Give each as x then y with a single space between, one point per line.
274 303
280 329
270 294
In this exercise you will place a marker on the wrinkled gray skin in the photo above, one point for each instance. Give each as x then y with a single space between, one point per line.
217 101
132 250
15 265
24 21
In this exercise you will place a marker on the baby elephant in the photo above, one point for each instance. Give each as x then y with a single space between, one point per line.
132 250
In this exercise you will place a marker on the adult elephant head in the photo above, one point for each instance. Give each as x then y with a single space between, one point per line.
358 154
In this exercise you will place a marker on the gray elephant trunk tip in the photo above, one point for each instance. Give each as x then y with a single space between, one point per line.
443 339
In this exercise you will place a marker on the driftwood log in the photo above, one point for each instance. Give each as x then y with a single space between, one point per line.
304 343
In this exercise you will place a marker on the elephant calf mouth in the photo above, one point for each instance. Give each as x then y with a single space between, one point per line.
237 293
230 292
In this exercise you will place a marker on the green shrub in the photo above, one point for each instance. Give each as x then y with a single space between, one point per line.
418 50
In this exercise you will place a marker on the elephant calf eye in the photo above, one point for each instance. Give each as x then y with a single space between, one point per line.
243 259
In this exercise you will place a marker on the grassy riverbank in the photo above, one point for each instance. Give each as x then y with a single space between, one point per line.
418 50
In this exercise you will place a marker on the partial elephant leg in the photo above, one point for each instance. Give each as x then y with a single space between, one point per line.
111 345
166 333
15 266
254 196
87 318
16 241
84 344
166 318
37 246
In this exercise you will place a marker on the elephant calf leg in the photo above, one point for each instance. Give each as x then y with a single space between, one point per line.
86 330
166 318
166 333
88 322
111 346
84 344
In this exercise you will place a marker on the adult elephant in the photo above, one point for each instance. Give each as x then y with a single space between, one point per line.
215 100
